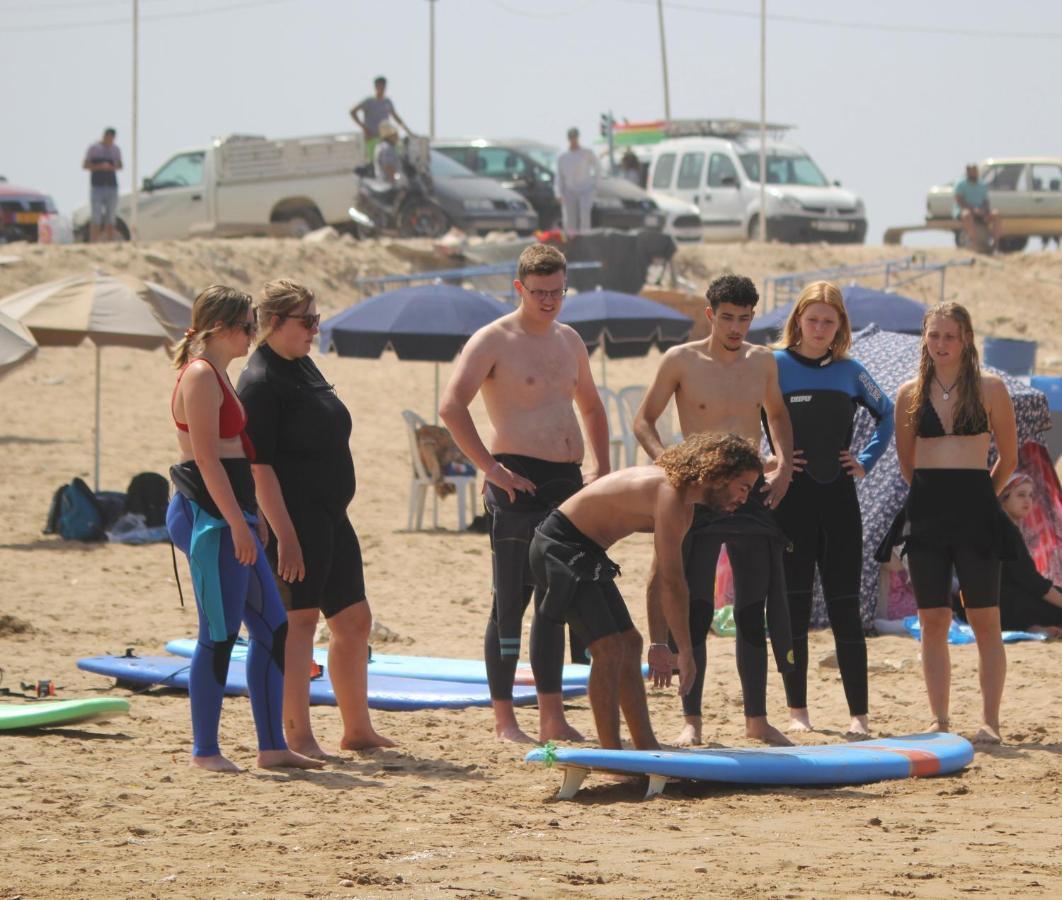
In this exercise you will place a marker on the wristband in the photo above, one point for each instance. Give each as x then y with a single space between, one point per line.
659 645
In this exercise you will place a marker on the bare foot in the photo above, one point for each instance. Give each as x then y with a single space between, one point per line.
215 763
760 729
559 731
939 724
690 736
799 720
986 734
859 727
365 741
286 759
308 747
511 733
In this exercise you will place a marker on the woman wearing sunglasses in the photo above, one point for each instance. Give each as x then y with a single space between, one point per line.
210 519
304 478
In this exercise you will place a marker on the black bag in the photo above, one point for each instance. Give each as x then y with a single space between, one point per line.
148 495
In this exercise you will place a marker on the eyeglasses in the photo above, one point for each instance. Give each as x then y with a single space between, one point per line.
309 321
540 296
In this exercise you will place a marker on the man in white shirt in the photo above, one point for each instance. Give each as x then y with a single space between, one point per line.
577 174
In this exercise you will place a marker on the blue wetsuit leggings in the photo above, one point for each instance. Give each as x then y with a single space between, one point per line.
826 529
249 595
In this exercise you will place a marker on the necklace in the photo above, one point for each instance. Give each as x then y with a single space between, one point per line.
946 390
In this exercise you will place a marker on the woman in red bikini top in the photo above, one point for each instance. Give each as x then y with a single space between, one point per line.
209 417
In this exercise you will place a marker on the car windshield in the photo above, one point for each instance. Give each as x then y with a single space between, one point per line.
784 169
444 167
544 156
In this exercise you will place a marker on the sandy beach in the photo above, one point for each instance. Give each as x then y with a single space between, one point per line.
113 809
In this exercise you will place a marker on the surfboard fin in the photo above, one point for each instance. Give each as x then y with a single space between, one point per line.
657 783
573 780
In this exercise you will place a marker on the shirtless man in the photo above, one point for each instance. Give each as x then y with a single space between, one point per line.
578 580
530 368
722 384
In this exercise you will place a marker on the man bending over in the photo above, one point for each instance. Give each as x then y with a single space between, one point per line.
577 578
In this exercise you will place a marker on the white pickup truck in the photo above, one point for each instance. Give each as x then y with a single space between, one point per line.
245 185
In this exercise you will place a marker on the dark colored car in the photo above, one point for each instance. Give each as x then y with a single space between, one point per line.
20 210
475 204
529 167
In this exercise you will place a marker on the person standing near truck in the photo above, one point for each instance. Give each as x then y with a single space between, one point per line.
577 174
103 159
374 111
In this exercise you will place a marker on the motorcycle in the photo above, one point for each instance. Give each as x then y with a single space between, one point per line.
405 207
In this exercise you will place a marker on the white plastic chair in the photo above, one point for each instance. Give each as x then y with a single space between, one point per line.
621 439
422 482
630 398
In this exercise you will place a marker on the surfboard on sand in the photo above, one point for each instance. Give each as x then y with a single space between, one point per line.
428 668
917 755
45 713
385 692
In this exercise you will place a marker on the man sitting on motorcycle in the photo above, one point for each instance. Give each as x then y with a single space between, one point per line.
385 160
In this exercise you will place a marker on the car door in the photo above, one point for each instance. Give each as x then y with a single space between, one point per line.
689 176
174 198
721 204
1006 188
1044 197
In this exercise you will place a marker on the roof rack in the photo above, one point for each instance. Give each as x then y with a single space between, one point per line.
719 127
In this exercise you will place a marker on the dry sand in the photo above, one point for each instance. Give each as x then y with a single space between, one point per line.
112 809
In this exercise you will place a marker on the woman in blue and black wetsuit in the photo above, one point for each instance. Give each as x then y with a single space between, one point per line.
946 419
210 519
822 388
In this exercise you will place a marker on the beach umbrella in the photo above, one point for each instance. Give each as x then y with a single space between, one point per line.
427 323
865 306
108 310
892 359
623 325
16 344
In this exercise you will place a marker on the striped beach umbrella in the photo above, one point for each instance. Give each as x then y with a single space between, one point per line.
108 310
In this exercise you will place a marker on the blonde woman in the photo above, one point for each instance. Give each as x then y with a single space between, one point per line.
304 476
823 387
946 419
210 519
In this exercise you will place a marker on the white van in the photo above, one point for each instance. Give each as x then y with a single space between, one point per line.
720 176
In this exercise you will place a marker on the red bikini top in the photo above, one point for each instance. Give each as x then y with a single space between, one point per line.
232 420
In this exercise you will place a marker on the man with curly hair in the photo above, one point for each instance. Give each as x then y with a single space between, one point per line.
576 578
723 383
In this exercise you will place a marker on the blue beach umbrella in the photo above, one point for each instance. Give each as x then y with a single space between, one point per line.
623 325
426 323
890 312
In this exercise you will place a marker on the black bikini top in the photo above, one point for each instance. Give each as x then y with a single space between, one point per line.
930 426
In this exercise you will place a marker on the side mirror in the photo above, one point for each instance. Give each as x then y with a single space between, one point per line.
728 181
836 183
146 185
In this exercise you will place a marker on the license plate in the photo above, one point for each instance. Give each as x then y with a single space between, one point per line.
652 222
831 226
27 218
523 222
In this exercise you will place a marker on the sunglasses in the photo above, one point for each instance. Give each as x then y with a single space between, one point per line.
309 321
249 328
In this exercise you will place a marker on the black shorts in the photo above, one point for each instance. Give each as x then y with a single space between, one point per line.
595 609
931 569
332 556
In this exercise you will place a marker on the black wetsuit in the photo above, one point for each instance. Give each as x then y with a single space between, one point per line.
754 544
302 429
820 511
512 528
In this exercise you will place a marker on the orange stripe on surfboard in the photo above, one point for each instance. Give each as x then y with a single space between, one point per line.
923 763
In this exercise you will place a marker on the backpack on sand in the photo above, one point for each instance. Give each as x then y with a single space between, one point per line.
148 495
75 513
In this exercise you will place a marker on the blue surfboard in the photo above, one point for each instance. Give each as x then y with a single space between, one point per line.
961 633
916 755
385 692
428 668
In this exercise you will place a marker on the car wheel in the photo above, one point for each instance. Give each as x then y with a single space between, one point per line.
1012 244
300 221
423 219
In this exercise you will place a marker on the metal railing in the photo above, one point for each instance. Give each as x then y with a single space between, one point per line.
469 272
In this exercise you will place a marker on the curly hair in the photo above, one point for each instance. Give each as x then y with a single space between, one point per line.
735 289
703 458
